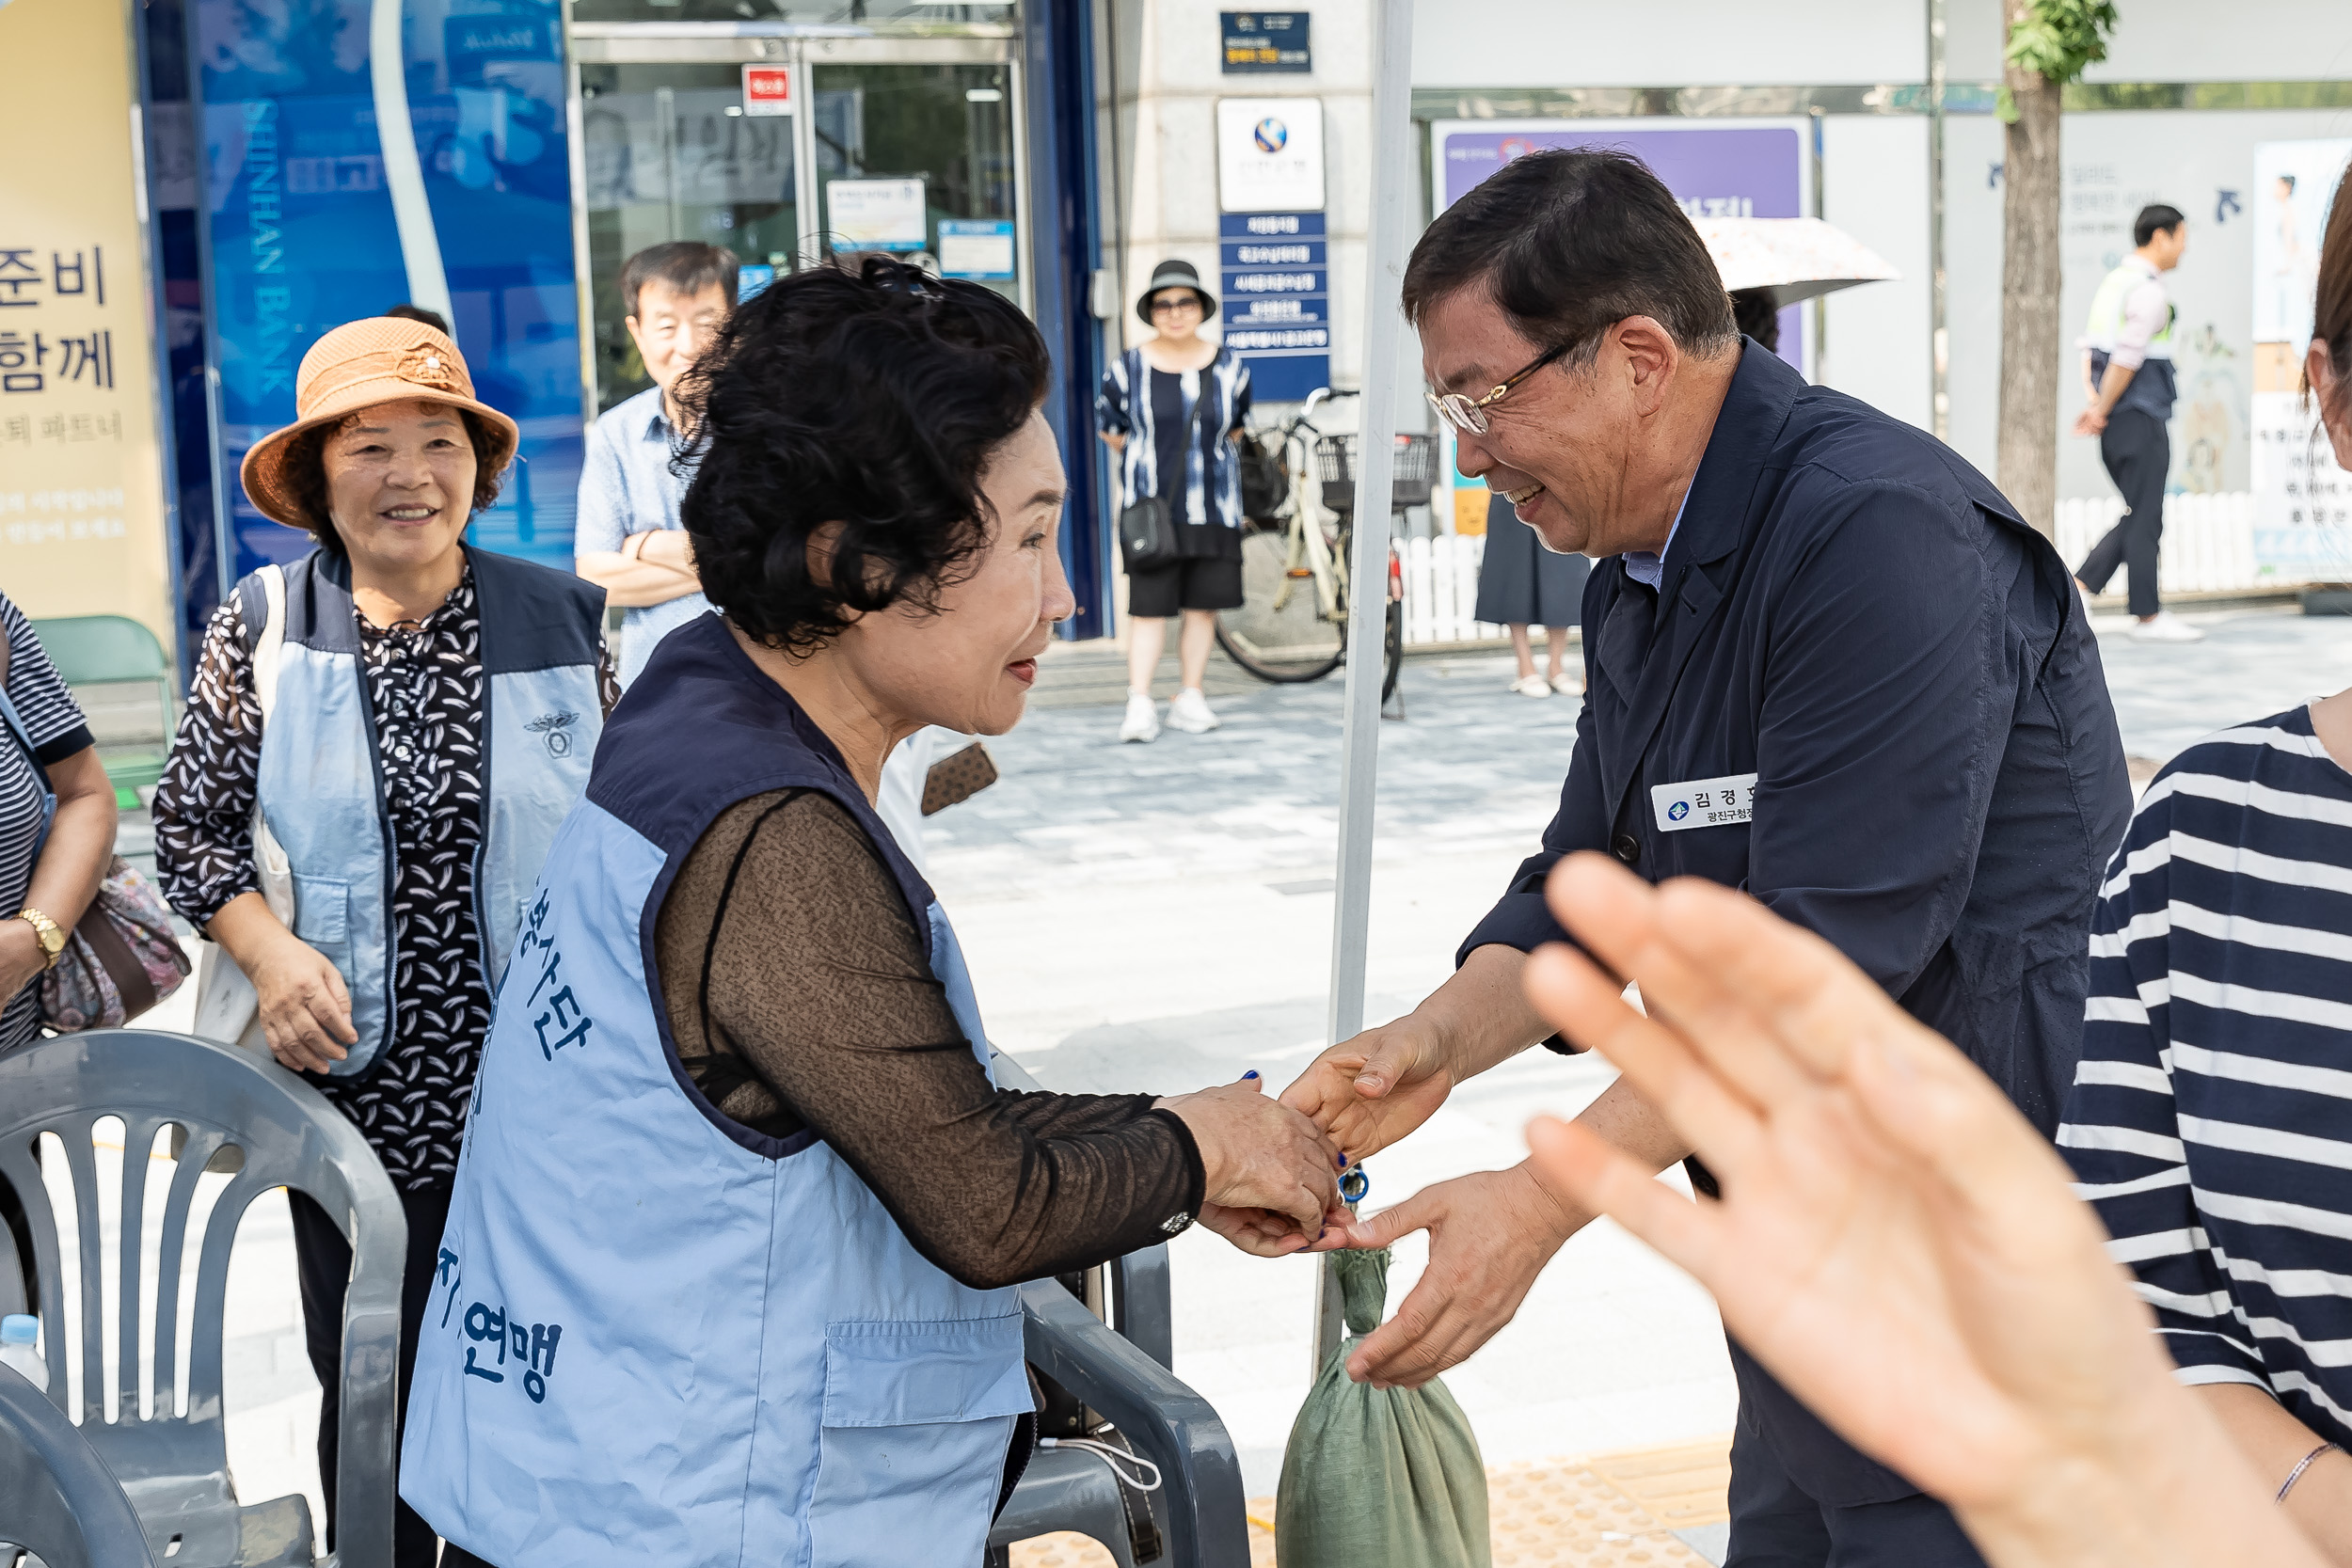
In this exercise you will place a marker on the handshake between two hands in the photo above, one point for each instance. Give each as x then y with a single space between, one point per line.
1893 1238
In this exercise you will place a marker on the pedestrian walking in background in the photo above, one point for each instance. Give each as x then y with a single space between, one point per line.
380 743
1172 407
2129 390
627 539
2214 1094
1521 584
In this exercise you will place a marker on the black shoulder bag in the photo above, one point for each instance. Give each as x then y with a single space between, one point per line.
1147 529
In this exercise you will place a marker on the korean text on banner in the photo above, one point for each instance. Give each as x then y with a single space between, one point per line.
81 473
767 89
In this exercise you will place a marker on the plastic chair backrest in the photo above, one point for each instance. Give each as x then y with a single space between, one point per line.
92 649
245 1125
57 1498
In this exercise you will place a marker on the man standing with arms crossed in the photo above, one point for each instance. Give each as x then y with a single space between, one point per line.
628 540
2128 392
1825 662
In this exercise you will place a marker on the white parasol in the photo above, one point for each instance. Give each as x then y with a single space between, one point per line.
1795 258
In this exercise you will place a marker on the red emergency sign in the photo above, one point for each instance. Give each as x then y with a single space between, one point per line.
767 89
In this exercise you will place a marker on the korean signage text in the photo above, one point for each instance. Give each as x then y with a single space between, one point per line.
1265 43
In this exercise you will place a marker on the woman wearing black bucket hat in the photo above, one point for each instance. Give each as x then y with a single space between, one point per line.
1170 407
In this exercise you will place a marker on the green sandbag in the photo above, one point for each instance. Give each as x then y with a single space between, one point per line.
1378 1477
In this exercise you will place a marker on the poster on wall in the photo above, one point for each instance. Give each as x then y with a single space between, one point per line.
1742 169
2302 499
313 221
875 214
81 467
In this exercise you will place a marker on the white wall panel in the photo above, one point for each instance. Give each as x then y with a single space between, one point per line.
1874 186
1521 43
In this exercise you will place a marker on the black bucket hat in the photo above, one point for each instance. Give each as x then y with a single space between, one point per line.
1174 275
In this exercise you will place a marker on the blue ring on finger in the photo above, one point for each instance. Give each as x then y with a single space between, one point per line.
1354 1185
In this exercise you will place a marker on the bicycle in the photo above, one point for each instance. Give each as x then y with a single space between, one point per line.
1292 624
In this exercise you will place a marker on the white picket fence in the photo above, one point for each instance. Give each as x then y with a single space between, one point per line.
2208 542
2208 547
1441 590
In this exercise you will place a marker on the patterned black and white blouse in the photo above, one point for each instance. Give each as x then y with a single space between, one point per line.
425 686
58 730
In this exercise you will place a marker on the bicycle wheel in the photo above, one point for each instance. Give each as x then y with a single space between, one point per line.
1280 632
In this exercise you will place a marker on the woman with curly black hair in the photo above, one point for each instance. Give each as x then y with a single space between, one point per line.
730 1269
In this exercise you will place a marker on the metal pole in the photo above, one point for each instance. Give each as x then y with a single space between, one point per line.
1392 182
1939 338
1395 180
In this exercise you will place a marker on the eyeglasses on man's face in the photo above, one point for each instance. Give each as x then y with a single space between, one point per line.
1172 303
1468 413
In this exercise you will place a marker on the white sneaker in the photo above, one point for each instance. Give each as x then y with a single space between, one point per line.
1568 684
2166 627
1531 686
1191 712
1143 718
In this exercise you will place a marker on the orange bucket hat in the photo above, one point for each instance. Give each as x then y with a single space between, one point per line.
359 365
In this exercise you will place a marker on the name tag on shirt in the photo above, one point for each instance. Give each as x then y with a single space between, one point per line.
1704 802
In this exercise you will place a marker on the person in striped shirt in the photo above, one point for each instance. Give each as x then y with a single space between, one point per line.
2211 1118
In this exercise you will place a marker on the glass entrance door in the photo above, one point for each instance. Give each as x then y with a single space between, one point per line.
668 154
919 160
909 145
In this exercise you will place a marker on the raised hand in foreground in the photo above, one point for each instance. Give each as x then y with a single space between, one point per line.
1272 1182
1895 1243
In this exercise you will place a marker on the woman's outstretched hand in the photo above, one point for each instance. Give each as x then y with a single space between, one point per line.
1273 1177
1894 1241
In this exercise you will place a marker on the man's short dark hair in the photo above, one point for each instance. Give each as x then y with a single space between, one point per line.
1569 244
872 399
2155 219
686 266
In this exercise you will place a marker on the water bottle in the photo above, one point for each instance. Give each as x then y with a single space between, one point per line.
19 1333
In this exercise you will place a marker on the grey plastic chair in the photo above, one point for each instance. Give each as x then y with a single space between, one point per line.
237 1113
1121 1373
57 1498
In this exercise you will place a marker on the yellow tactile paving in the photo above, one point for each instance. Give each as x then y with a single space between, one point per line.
1601 1511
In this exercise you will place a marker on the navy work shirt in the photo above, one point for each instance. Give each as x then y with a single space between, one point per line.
1855 616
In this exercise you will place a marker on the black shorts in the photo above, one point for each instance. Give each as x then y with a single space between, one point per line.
1204 583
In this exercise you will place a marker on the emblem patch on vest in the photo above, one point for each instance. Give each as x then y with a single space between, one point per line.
556 730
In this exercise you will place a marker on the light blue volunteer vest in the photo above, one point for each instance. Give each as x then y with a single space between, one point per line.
657 1336
322 784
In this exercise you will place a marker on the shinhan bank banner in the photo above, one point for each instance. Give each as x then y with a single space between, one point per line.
430 168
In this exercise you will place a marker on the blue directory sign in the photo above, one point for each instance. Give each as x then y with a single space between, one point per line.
1278 301
303 235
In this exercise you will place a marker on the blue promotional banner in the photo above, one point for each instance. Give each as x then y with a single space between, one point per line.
313 220
1278 301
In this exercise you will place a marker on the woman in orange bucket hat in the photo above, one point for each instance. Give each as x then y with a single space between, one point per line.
381 742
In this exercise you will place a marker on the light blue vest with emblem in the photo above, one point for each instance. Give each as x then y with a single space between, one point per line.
322 782
657 1336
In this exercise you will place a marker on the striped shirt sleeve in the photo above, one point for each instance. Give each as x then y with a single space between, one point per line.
2122 1129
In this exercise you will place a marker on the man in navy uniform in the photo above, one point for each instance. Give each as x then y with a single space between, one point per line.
1825 662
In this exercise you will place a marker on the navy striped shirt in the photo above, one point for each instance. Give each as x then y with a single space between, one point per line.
2211 1118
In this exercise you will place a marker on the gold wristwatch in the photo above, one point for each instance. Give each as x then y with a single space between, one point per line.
51 936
